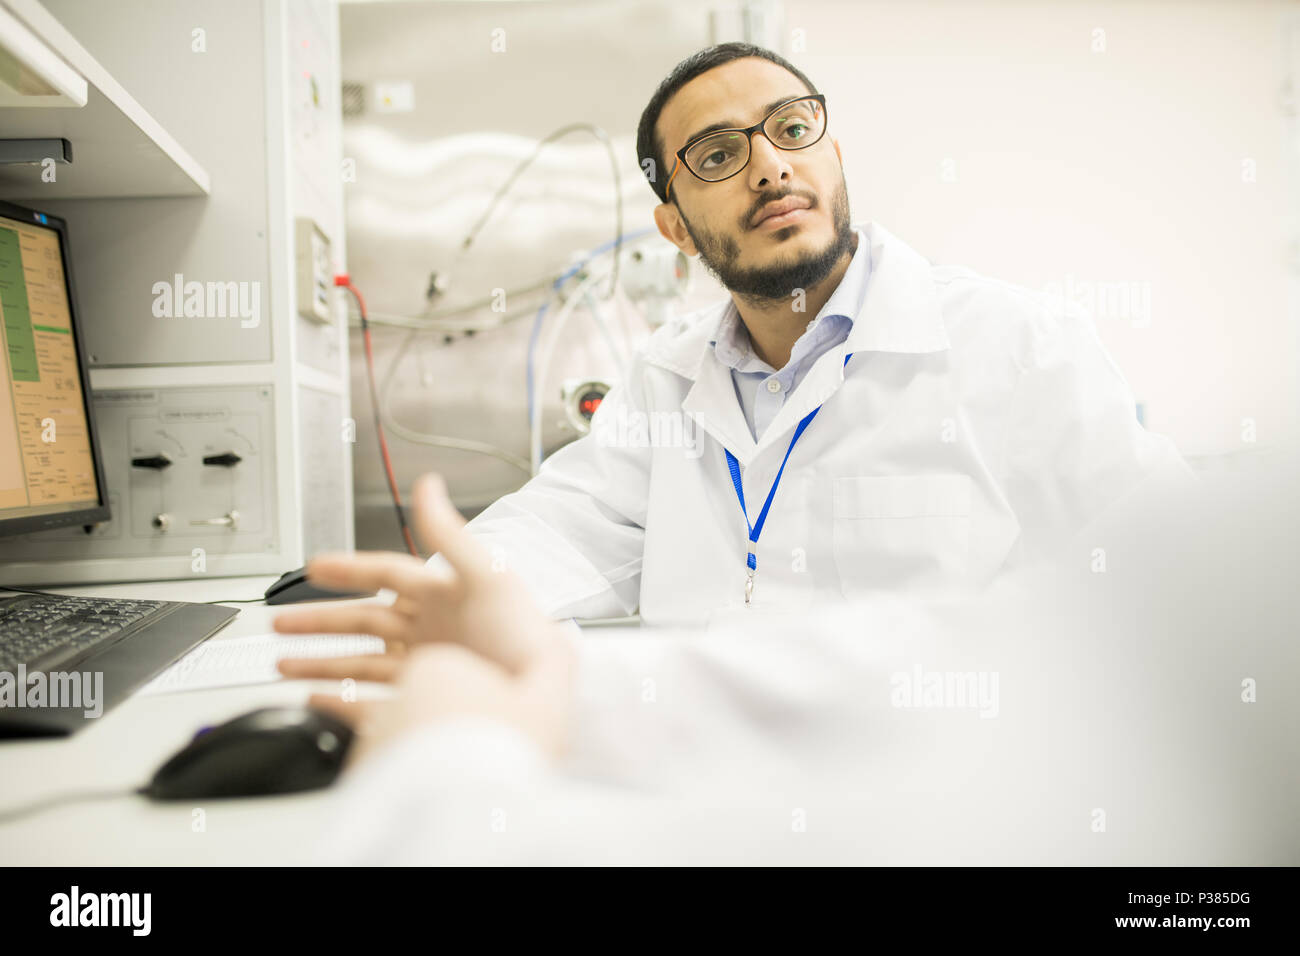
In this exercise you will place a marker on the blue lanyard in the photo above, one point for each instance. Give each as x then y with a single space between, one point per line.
751 562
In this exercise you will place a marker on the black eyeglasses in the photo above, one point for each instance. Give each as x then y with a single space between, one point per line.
716 156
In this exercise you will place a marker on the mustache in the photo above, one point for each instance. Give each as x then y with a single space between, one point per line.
811 197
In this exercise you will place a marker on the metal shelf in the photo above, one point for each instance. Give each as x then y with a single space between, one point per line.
118 149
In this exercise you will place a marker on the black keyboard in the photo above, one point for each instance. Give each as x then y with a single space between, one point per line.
48 631
124 642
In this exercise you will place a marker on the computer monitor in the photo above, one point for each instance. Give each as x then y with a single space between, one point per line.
51 473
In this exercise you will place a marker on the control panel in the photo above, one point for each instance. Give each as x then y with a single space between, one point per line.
186 468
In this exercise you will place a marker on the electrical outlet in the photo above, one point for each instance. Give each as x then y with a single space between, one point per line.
315 271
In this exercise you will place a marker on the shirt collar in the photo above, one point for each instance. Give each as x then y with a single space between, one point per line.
731 342
896 311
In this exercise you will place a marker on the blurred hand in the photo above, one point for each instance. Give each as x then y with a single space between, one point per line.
442 681
485 610
466 644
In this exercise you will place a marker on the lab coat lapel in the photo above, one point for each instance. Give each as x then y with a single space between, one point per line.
821 382
713 404
899 312
711 400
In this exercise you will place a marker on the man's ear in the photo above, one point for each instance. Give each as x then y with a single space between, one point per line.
837 150
669 220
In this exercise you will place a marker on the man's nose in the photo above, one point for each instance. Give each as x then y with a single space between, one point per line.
767 163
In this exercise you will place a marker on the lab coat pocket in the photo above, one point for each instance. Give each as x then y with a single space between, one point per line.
901 531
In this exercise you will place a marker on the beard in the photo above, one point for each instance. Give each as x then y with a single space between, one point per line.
765 284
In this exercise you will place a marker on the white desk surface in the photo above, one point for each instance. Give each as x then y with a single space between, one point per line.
123 748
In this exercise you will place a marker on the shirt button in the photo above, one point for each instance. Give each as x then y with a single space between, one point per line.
773 385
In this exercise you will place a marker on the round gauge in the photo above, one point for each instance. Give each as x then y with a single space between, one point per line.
588 402
581 399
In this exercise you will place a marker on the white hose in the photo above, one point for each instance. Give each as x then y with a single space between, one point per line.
437 441
542 365
619 355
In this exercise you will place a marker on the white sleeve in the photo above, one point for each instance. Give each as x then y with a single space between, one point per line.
681 709
473 792
650 780
575 533
434 795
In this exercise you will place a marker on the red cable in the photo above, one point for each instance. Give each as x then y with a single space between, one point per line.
345 282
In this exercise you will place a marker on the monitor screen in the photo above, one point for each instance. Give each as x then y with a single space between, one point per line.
50 473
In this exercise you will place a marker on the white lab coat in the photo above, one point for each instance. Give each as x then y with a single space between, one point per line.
973 428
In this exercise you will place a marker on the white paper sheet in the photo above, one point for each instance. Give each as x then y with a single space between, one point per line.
251 660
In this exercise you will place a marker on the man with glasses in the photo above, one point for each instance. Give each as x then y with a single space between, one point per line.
851 420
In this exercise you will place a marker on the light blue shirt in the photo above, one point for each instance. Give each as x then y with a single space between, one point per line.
763 390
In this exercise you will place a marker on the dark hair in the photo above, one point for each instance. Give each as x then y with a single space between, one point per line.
649 144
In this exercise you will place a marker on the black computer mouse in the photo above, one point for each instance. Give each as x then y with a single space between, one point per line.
293 587
271 750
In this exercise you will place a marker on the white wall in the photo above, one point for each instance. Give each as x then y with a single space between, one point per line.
1117 166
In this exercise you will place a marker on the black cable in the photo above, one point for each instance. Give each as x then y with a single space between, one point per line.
10 587
46 803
